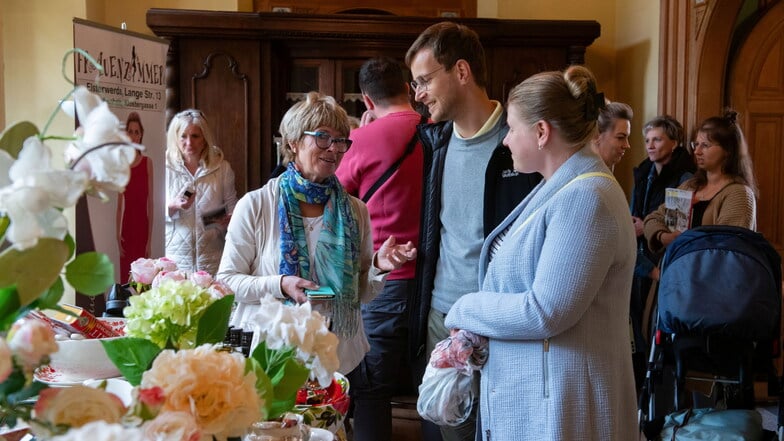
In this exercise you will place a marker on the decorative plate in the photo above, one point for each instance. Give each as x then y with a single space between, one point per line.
48 375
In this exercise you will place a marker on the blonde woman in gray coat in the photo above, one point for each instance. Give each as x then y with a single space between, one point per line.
555 279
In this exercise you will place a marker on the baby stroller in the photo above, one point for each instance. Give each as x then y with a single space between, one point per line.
717 321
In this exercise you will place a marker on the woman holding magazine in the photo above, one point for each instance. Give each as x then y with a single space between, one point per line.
200 194
723 188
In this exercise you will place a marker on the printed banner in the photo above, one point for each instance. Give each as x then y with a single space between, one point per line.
131 224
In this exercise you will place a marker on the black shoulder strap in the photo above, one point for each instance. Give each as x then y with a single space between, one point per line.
393 168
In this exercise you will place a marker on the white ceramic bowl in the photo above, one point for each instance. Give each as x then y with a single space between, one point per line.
80 360
117 386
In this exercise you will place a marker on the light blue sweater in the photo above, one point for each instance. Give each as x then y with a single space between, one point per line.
554 303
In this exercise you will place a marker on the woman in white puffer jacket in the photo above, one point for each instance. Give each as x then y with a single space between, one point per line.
200 194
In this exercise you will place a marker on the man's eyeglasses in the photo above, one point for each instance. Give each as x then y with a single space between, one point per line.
424 83
324 140
702 145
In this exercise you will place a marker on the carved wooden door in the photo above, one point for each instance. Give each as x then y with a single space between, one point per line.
756 90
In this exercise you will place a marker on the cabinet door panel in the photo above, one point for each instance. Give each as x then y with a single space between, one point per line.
222 80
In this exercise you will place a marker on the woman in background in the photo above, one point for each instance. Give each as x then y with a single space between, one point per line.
615 126
200 194
723 185
555 279
134 204
668 165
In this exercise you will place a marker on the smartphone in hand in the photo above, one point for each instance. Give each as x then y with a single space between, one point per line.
187 193
322 293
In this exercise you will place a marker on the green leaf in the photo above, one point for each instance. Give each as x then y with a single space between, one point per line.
286 375
9 307
132 356
263 385
90 273
12 139
69 240
214 322
5 221
33 270
52 296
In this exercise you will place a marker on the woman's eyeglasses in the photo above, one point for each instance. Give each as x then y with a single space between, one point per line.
702 145
324 140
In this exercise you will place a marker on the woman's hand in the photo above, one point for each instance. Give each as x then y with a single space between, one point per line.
668 237
638 225
181 202
392 256
295 287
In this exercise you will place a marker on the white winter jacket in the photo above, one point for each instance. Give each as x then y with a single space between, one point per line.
188 242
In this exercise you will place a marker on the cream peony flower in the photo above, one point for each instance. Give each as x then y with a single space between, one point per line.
6 360
31 341
175 426
298 326
103 431
211 385
78 405
32 194
108 166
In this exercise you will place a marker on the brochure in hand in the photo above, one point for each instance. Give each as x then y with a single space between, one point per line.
677 204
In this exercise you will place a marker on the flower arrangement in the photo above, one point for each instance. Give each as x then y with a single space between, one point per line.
172 303
37 251
293 344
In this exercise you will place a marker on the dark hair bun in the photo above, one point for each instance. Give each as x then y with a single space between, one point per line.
731 116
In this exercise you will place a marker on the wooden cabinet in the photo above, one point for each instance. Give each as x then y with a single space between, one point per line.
416 8
245 69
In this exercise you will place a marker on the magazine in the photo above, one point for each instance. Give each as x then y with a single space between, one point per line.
677 213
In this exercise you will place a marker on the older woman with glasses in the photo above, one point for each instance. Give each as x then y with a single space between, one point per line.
723 185
200 194
302 231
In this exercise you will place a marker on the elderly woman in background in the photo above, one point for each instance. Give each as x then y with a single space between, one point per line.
615 126
302 230
555 278
200 194
723 185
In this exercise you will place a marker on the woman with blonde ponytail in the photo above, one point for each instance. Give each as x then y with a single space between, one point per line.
555 279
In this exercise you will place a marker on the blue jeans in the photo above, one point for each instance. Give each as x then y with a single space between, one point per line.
384 372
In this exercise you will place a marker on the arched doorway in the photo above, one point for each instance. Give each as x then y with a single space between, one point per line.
756 90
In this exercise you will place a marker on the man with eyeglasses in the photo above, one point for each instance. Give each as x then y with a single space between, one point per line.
384 169
470 183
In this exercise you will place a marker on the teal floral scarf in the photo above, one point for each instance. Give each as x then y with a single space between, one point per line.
337 252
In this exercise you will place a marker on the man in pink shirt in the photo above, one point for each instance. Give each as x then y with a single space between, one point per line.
384 168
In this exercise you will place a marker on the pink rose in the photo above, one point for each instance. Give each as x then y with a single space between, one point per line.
162 276
30 341
166 264
143 270
219 290
173 426
6 360
152 396
201 278
77 405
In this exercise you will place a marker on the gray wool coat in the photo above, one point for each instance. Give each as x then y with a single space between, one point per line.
555 306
